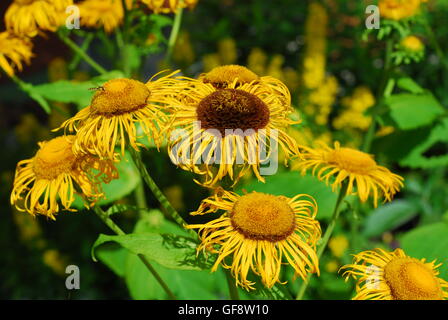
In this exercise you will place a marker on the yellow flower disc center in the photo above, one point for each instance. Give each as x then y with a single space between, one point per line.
119 96
351 160
23 2
410 279
54 157
232 109
221 77
260 216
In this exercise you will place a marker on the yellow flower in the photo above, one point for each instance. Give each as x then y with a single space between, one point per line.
258 231
412 43
227 51
28 17
54 173
13 52
229 124
355 166
398 9
107 14
115 110
210 61
338 245
256 61
183 52
384 275
332 266
169 6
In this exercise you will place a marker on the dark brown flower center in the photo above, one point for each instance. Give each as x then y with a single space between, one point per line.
232 109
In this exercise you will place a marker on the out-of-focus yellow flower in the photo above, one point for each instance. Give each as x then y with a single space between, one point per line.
57 69
332 266
292 78
412 43
183 52
385 131
107 14
175 194
55 261
28 226
210 61
14 51
169 6
338 245
257 61
227 51
30 130
398 9
28 17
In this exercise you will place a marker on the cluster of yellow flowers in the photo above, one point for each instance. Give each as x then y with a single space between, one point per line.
353 116
25 19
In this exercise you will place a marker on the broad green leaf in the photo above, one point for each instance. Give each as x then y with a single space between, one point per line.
113 256
417 159
429 242
171 251
388 217
411 111
293 183
410 85
79 93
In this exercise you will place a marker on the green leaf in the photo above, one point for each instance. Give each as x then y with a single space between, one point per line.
79 93
171 251
410 85
417 158
429 242
113 256
411 111
293 183
389 217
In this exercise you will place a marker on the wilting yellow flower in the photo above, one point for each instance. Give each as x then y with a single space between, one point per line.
257 232
338 245
357 167
28 17
384 275
412 43
115 110
169 6
398 9
53 174
108 14
13 52
233 123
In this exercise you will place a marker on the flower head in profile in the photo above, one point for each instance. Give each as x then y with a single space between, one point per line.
399 9
260 232
383 275
14 51
225 130
169 6
107 14
114 113
412 43
53 176
358 169
29 17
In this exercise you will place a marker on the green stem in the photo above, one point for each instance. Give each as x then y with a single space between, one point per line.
173 36
327 235
166 205
434 42
84 47
368 139
115 228
72 45
140 195
233 290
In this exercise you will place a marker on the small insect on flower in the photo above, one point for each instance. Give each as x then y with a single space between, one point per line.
116 108
257 232
13 52
29 17
54 174
359 169
230 121
383 275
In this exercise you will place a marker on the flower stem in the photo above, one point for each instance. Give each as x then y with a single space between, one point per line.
174 33
233 290
327 235
380 96
166 205
72 45
115 228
